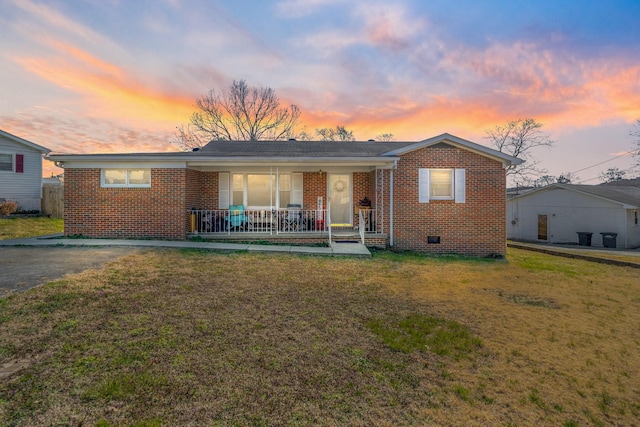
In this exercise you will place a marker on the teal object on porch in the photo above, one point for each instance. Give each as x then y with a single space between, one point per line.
237 218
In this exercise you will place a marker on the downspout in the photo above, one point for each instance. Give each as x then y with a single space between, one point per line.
391 204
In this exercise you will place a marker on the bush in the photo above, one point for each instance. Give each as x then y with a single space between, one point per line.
8 207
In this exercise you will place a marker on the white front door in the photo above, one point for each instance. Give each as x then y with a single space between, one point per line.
340 199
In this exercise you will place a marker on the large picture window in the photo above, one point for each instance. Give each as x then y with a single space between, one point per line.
126 178
261 191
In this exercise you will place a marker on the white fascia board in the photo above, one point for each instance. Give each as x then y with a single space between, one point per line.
459 143
293 161
121 165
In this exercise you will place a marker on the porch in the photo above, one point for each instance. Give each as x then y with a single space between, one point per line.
283 225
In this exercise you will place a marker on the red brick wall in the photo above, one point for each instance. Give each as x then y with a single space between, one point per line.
156 212
314 185
476 227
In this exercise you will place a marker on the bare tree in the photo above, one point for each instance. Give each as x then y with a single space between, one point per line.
385 137
518 138
238 113
567 178
339 133
563 178
612 174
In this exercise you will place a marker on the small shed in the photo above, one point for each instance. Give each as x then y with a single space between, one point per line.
593 215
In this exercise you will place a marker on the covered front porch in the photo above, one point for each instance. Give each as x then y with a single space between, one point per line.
292 223
290 202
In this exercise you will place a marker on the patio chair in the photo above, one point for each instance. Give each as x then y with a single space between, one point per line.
293 217
237 217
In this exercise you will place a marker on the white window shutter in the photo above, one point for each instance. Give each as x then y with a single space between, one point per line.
223 190
460 186
296 189
423 185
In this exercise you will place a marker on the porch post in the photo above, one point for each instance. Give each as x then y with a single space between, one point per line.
390 207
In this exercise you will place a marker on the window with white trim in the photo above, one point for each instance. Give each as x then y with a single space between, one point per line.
261 191
441 184
6 162
119 178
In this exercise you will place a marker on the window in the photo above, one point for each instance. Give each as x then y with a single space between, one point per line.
285 189
6 162
441 184
126 178
259 191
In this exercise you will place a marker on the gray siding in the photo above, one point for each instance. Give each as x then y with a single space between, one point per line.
24 188
569 212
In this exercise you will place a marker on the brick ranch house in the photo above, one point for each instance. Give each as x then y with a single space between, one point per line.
441 195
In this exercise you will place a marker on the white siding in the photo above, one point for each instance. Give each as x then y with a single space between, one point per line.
633 230
24 188
568 212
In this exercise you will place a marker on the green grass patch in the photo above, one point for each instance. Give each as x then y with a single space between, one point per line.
428 334
18 228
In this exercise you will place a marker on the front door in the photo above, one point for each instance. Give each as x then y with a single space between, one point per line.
542 227
340 199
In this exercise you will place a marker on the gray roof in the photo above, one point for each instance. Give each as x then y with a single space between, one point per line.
626 195
24 142
297 151
623 194
300 148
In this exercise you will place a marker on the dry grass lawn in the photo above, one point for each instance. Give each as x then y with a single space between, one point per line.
167 337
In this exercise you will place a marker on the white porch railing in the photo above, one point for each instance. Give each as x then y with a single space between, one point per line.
276 221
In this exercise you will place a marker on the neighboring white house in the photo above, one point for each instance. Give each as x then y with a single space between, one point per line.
21 171
558 212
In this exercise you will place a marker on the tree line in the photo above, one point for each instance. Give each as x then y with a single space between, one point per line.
246 113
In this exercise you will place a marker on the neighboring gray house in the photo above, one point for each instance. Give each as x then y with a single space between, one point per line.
558 212
21 171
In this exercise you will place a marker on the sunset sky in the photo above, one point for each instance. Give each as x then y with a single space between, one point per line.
100 76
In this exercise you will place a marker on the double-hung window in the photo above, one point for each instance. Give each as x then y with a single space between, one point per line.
6 162
136 178
441 184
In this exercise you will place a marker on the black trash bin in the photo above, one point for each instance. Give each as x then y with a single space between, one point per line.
609 240
584 238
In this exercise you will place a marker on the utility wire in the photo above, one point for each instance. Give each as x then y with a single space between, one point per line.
632 152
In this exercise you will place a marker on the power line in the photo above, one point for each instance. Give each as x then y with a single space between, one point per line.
632 152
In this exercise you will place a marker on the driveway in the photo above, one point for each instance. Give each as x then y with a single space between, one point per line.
24 267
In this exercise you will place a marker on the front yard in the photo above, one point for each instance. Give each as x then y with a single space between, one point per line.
18 228
165 337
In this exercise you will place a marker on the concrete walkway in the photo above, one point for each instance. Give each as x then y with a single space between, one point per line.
337 249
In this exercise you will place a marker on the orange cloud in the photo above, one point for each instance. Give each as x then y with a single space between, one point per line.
110 90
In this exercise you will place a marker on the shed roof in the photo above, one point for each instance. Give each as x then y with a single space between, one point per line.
626 195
